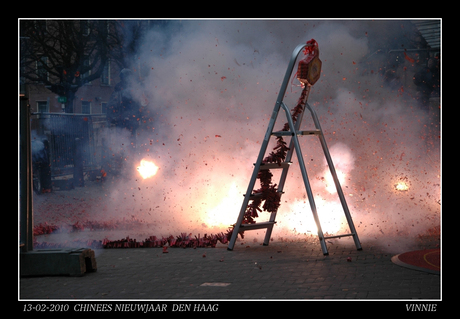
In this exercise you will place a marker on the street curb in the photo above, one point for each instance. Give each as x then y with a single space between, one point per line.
398 262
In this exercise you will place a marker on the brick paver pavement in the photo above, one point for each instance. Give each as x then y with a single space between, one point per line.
283 270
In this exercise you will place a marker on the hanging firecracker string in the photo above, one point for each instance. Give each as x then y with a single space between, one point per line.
268 191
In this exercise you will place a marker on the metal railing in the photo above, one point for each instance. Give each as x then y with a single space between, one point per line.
63 132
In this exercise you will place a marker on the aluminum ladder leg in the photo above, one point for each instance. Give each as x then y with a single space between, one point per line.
338 187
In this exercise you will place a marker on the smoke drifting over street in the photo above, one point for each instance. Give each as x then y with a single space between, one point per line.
211 87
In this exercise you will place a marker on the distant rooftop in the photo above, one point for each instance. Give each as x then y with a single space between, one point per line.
430 31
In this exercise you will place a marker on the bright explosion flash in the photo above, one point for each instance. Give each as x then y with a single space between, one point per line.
330 214
223 214
147 169
401 186
330 185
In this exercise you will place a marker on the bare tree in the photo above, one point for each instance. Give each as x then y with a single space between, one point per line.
65 54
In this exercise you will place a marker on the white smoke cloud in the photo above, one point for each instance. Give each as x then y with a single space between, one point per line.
217 87
211 92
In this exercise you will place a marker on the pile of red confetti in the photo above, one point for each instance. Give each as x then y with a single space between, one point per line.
182 241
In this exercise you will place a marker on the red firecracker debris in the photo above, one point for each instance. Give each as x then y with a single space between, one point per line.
182 241
408 58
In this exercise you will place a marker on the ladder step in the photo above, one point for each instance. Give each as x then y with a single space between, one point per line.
264 166
244 227
311 132
289 133
254 196
338 236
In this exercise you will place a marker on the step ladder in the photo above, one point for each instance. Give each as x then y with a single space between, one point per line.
294 145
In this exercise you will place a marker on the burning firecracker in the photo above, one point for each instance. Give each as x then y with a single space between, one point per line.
147 169
402 184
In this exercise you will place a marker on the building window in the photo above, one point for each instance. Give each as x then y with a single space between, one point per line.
105 76
42 106
86 107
